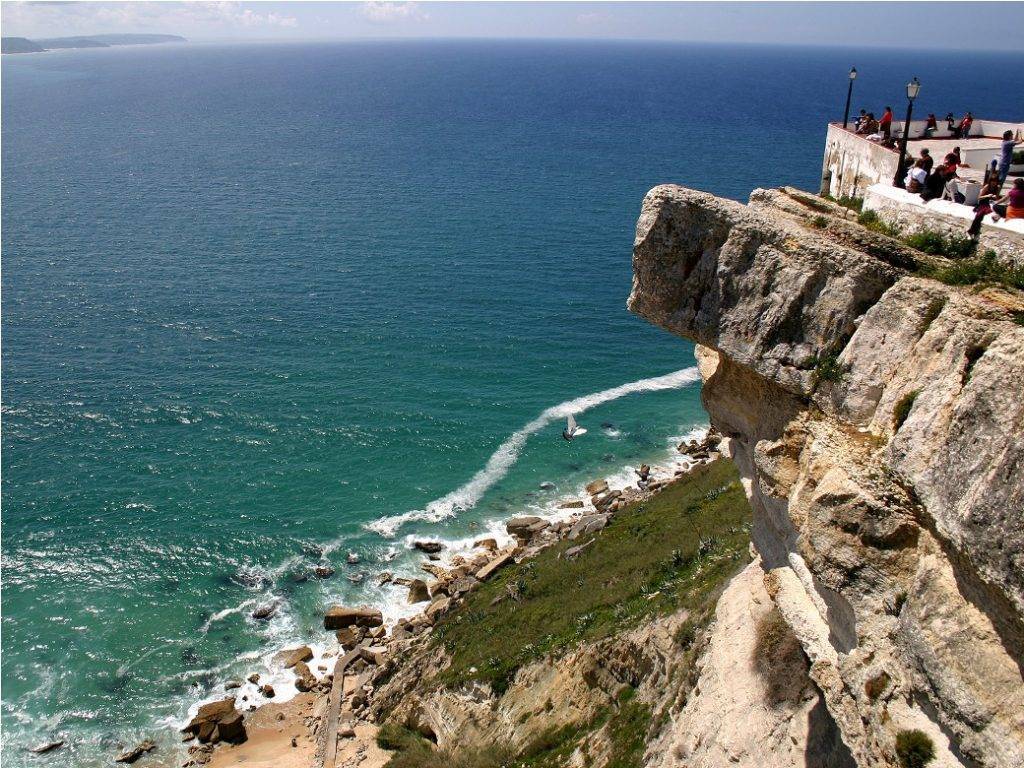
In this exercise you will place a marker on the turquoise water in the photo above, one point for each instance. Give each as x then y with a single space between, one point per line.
263 305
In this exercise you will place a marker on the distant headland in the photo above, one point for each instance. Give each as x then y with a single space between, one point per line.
24 45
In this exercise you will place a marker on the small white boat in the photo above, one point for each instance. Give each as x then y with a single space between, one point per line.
572 429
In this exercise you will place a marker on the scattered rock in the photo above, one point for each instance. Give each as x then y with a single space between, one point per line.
572 552
352 558
375 654
218 721
323 572
268 691
384 577
346 731
265 611
418 592
644 471
134 754
575 504
596 487
232 728
462 585
49 746
489 544
430 547
230 685
348 637
525 527
339 617
547 486
254 678
438 608
356 578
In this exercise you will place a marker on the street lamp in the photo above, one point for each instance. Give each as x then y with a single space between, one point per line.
913 88
849 93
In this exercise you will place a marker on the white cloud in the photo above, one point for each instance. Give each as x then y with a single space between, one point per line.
385 12
593 19
59 19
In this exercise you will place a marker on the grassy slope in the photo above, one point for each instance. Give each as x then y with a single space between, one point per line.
675 550
672 551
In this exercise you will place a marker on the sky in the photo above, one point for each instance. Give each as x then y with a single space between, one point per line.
915 24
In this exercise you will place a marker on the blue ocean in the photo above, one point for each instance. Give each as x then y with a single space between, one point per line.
274 307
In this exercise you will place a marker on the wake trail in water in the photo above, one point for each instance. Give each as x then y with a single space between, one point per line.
501 461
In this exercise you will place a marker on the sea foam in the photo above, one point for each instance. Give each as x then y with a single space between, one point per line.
501 461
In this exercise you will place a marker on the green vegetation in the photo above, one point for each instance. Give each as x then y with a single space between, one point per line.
853 203
627 731
826 368
914 748
937 244
819 222
979 269
675 550
902 409
870 220
1018 317
414 751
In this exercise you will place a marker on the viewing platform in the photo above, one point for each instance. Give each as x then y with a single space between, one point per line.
853 162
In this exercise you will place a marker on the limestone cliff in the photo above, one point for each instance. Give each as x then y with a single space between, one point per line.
877 420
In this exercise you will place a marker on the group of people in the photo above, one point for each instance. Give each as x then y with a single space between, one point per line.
881 129
940 183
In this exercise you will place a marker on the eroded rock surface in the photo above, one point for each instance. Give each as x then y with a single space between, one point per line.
877 419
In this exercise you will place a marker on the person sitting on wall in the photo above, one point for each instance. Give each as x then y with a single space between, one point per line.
964 129
931 127
1006 155
885 124
951 124
937 183
1011 205
916 177
989 194
870 125
927 159
860 121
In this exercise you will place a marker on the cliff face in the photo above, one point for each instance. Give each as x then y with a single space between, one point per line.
877 420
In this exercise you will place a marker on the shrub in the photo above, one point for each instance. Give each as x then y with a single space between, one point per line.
914 748
826 368
902 409
870 220
778 658
951 246
981 269
819 222
1018 317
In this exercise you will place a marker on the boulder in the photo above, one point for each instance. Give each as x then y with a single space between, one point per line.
339 617
430 547
352 558
49 746
494 565
206 724
231 685
573 552
488 544
232 728
547 485
438 608
596 487
418 592
289 658
131 755
304 678
349 637
268 691
588 524
525 527
462 585
264 611
644 471
254 678
375 654
384 577
574 504
323 572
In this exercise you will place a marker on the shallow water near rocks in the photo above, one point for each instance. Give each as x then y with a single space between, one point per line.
268 305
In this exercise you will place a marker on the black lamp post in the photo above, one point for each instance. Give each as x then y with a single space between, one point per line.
913 88
849 93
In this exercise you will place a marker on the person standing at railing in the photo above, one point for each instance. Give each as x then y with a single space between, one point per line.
964 129
885 124
931 127
1006 148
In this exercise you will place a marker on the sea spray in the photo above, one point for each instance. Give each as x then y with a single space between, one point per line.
501 461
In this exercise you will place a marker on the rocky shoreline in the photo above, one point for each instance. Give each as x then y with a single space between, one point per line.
236 730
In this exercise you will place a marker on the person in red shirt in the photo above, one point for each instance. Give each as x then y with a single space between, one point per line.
965 126
885 124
